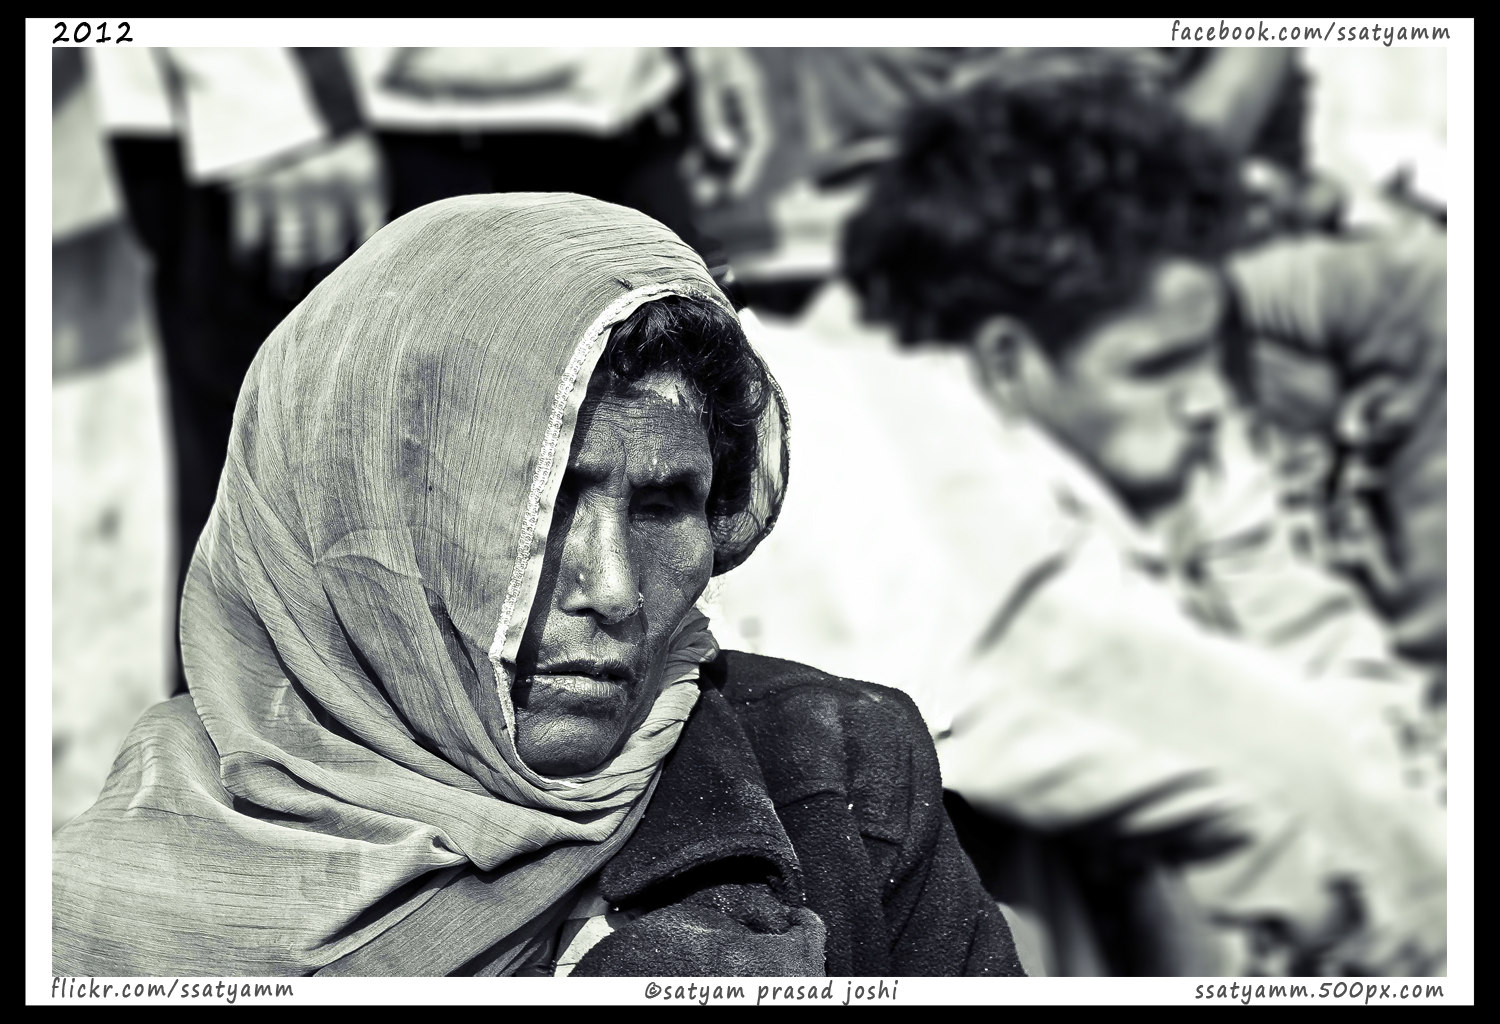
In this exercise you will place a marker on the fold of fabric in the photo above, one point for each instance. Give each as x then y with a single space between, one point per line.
342 791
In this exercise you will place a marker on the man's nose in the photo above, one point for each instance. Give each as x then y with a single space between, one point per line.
1203 400
598 576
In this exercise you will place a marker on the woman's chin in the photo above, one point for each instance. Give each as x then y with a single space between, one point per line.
566 745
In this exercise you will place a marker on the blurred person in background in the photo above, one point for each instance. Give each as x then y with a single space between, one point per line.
836 113
96 311
615 124
1372 508
245 185
1347 377
251 173
1158 720
109 578
1368 501
1346 372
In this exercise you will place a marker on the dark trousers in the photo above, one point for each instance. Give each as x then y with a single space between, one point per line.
213 313
640 169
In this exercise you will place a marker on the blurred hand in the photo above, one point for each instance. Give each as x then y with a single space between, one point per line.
310 210
733 112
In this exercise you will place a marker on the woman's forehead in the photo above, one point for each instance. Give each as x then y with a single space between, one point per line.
657 392
647 427
665 387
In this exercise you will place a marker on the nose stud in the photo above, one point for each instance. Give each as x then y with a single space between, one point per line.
640 602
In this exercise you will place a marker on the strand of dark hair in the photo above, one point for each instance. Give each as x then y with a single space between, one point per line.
705 345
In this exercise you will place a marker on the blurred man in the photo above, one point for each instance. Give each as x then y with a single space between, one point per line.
1157 717
251 173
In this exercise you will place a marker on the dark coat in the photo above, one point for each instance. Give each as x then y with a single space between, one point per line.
793 791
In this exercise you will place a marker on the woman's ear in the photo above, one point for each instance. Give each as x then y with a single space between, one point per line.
1000 348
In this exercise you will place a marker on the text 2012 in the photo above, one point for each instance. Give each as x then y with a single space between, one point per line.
84 32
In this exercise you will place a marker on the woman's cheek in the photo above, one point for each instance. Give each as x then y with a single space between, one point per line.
679 561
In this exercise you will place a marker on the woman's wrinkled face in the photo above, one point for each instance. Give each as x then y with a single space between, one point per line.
628 554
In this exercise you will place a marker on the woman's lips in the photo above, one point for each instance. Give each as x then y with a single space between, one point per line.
580 686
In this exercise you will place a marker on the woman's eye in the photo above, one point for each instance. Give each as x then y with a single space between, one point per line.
663 502
655 503
567 494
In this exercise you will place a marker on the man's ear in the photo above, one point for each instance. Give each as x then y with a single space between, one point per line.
1001 347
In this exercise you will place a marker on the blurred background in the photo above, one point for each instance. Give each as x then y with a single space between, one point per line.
198 195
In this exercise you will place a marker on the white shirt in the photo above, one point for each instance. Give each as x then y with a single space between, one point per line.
595 91
233 106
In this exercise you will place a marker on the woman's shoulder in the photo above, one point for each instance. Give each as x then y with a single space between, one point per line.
801 699
167 761
818 735
174 725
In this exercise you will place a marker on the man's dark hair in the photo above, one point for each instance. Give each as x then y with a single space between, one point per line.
705 345
1048 200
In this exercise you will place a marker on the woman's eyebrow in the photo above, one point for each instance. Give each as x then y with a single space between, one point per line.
672 476
583 471
693 477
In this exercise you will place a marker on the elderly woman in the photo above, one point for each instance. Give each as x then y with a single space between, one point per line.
453 709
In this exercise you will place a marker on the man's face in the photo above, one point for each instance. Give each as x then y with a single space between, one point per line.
1139 395
628 553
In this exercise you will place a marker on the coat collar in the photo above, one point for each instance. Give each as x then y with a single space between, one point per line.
710 805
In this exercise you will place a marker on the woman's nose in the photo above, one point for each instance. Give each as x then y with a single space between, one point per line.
598 576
